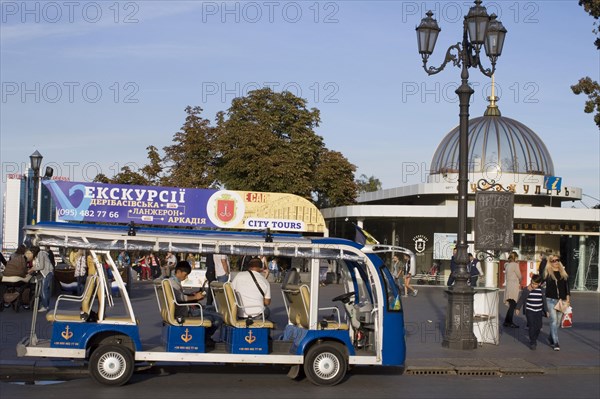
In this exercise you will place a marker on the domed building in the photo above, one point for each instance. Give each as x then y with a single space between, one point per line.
504 155
498 143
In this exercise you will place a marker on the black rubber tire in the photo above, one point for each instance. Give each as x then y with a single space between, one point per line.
325 364
111 365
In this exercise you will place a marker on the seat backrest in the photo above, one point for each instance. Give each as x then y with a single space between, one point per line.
89 293
218 292
160 297
298 298
168 311
231 304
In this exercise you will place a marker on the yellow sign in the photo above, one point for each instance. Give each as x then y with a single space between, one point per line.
260 211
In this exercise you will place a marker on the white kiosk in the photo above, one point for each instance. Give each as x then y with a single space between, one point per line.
485 316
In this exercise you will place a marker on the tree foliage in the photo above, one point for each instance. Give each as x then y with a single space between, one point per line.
587 85
265 141
334 180
592 7
190 159
591 88
367 184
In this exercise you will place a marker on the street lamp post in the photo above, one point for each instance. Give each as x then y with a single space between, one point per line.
479 29
36 163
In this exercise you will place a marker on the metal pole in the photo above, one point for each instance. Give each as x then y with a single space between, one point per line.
459 317
36 184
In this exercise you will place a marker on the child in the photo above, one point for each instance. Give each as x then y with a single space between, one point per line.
533 299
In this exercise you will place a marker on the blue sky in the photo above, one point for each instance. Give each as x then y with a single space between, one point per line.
91 84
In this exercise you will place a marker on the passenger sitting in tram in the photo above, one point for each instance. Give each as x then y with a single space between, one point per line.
254 291
182 270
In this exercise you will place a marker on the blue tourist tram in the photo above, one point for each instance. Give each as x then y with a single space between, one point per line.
319 337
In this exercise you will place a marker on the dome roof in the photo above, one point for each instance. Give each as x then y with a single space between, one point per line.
495 142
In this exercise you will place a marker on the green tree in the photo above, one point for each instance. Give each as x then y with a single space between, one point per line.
153 171
367 184
334 180
592 7
125 176
267 143
587 85
189 162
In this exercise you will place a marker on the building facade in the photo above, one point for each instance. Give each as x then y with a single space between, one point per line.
17 207
504 155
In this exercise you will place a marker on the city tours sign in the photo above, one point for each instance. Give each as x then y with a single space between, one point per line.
174 206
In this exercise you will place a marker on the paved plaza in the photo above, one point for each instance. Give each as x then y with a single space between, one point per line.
424 321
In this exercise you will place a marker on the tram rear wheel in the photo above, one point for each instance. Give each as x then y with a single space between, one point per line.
111 365
325 364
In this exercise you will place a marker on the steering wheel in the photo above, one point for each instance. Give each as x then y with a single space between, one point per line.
345 298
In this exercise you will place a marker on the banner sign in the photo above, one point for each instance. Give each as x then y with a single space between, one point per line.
173 206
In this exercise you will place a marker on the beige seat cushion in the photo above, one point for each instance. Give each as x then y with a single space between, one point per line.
168 314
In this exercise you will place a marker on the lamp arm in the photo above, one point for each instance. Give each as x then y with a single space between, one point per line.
487 71
449 57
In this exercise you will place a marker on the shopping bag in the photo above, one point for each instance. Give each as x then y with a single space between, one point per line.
567 318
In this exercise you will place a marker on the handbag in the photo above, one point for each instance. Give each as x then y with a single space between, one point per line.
561 306
567 318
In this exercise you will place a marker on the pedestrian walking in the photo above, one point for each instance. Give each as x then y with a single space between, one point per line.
533 302
557 290
222 267
512 288
398 272
474 270
453 267
43 265
409 271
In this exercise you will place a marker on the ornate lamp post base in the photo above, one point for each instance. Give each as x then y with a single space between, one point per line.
459 319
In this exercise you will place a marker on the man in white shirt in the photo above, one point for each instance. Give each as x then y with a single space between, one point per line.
221 267
253 298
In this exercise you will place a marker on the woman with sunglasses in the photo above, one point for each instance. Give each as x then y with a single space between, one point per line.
557 287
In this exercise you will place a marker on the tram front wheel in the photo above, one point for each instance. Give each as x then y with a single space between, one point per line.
325 364
111 365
